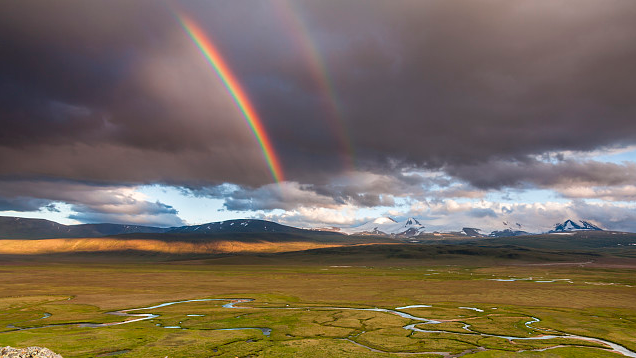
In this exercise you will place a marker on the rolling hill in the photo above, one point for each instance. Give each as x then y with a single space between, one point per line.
24 228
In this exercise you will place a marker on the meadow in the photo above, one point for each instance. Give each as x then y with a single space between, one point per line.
318 305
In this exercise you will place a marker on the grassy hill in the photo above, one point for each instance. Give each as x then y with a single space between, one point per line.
579 240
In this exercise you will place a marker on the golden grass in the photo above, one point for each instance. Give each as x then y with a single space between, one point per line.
604 311
48 246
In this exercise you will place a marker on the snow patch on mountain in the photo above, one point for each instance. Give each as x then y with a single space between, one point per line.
571 225
472 232
388 226
384 220
414 227
508 233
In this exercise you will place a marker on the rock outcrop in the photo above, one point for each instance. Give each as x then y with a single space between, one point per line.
29 352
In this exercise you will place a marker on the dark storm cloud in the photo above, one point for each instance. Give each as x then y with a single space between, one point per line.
285 196
356 189
448 83
534 173
114 92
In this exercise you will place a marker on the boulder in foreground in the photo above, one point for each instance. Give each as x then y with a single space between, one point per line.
29 352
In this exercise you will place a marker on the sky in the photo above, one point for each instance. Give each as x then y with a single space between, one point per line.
327 113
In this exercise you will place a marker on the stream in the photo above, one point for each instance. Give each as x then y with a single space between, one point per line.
233 302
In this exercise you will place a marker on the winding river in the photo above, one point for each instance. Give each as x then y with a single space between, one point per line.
414 327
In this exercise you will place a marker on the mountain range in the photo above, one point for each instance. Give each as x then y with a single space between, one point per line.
25 228
411 227
388 226
570 225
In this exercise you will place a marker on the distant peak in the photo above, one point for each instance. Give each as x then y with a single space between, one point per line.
412 221
571 225
472 231
384 220
389 226
589 225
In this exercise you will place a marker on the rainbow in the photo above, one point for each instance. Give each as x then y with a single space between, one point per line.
213 56
292 16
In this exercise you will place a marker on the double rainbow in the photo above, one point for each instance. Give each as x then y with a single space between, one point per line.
212 55
292 16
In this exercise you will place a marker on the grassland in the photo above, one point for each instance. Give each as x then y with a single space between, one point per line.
302 298
109 245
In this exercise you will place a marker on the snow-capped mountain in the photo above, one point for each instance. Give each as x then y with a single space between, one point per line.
508 233
388 226
512 225
516 229
235 226
570 225
472 232
25 228
510 229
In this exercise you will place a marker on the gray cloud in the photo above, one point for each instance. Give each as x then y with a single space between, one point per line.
618 193
116 98
113 93
533 173
153 218
114 204
421 84
450 215
488 80
535 217
360 189
620 218
21 203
